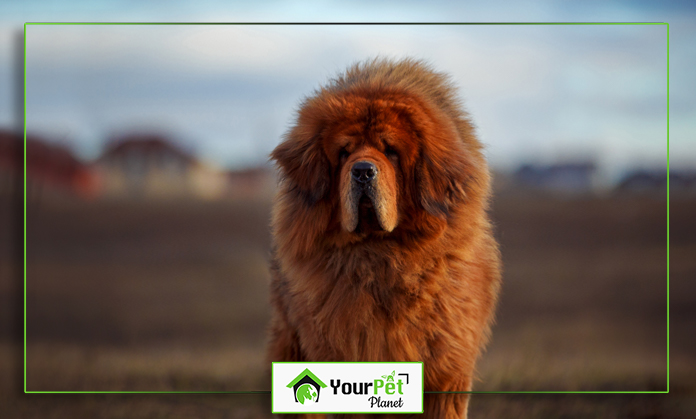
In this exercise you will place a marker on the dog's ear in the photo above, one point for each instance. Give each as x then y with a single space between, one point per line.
303 164
441 178
446 173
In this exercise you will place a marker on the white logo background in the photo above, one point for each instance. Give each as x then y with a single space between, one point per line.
350 372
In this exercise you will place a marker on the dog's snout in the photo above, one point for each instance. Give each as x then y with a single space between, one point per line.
363 171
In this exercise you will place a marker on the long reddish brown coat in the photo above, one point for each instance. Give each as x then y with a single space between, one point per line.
424 291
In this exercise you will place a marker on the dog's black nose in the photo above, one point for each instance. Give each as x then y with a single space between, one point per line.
363 171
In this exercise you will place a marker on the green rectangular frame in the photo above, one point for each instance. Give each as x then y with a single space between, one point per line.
324 24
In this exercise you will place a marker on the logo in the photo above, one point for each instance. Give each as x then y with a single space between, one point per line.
306 387
347 387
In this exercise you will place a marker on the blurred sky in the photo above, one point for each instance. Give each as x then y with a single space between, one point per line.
229 92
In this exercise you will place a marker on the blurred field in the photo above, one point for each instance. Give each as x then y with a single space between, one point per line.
173 296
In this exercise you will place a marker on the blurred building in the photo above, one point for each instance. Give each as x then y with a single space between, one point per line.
50 168
647 181
149 166
571 177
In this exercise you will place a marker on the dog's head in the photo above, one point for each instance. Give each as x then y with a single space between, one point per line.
382 158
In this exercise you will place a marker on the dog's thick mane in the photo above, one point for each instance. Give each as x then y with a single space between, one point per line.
376 79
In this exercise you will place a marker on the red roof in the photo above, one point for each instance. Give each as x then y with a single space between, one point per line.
147 144
46 162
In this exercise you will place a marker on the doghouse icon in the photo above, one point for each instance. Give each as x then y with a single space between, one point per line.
306 387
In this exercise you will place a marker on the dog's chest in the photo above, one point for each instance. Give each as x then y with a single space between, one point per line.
374 321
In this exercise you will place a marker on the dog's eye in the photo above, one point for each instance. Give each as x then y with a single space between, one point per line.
390 152
343 154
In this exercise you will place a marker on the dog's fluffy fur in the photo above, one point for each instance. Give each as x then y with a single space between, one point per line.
403 267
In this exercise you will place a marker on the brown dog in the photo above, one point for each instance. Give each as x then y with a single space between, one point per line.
383 250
